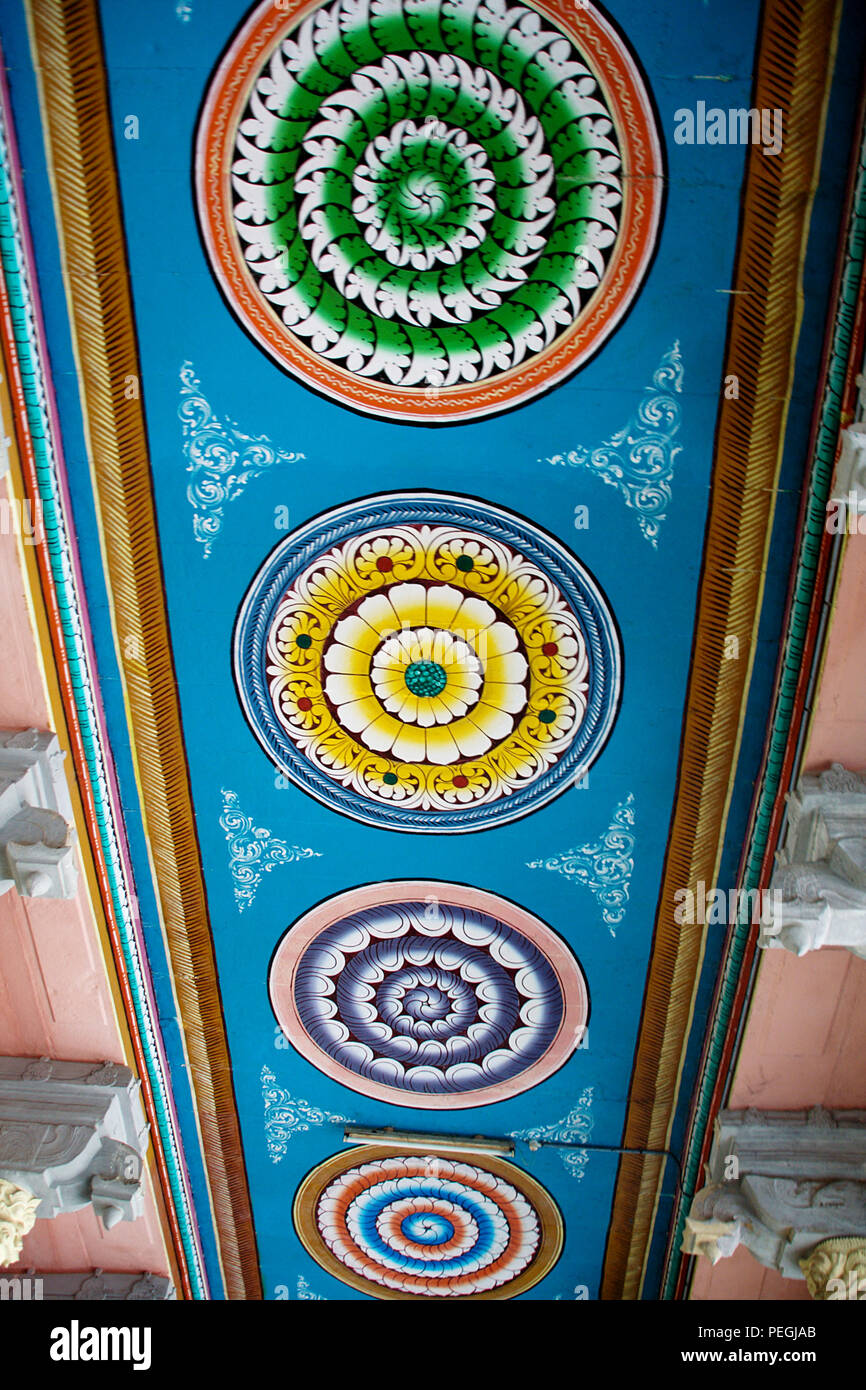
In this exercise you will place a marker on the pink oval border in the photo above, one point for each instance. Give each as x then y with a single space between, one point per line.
281 980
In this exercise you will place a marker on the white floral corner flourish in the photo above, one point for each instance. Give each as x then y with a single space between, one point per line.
304 1291
253 850
220 458
605 867
286 1115
574 1129
639 459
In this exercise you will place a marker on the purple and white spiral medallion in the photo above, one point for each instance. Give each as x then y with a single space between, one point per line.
429 995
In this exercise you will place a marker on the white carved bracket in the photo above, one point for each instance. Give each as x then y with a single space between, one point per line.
96 1285
779 1183
73 1134
850 482
36 835
820 877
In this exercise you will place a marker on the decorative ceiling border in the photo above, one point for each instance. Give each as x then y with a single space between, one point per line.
813 582
66 40
793 66
40 454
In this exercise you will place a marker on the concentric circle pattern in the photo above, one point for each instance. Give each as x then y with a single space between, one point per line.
451 999
412 1226
427 663
436 208
423 195
429 1002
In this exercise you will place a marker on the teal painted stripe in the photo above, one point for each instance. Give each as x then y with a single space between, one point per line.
14 267
821 476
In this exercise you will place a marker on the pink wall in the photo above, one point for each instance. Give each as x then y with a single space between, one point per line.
22 695
805 1038
77 1241
740 1278
55 998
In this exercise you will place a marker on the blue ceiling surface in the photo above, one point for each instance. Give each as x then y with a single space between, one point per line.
587 863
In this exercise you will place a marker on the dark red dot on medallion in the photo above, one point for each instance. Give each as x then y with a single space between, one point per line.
305 703
461 781
550 648
384 564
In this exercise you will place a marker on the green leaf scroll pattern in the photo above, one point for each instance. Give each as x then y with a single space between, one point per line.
427 194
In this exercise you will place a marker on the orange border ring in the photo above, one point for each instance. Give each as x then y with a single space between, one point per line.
629 103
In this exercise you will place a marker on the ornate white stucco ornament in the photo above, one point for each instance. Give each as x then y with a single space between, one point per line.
836 1270
17 1217
820 878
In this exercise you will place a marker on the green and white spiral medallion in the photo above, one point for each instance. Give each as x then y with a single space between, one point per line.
428 210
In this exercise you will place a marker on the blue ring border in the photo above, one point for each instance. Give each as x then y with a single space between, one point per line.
335 526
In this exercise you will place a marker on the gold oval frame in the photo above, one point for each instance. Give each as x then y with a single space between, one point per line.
314 1184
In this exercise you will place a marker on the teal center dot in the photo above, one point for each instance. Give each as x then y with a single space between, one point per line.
465 563
304 641
426 678
389 778
547 716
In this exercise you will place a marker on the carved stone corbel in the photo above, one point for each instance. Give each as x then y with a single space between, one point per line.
93 1286
36 836
825 811
781 1183
815 907
73 1134
820 877
849 485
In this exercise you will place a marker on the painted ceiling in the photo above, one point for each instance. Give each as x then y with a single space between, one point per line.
431 313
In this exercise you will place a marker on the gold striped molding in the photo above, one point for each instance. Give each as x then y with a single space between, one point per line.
68 55
794 64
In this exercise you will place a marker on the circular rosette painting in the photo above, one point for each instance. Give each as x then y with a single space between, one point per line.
427 663
428 212
406 1226
432 995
